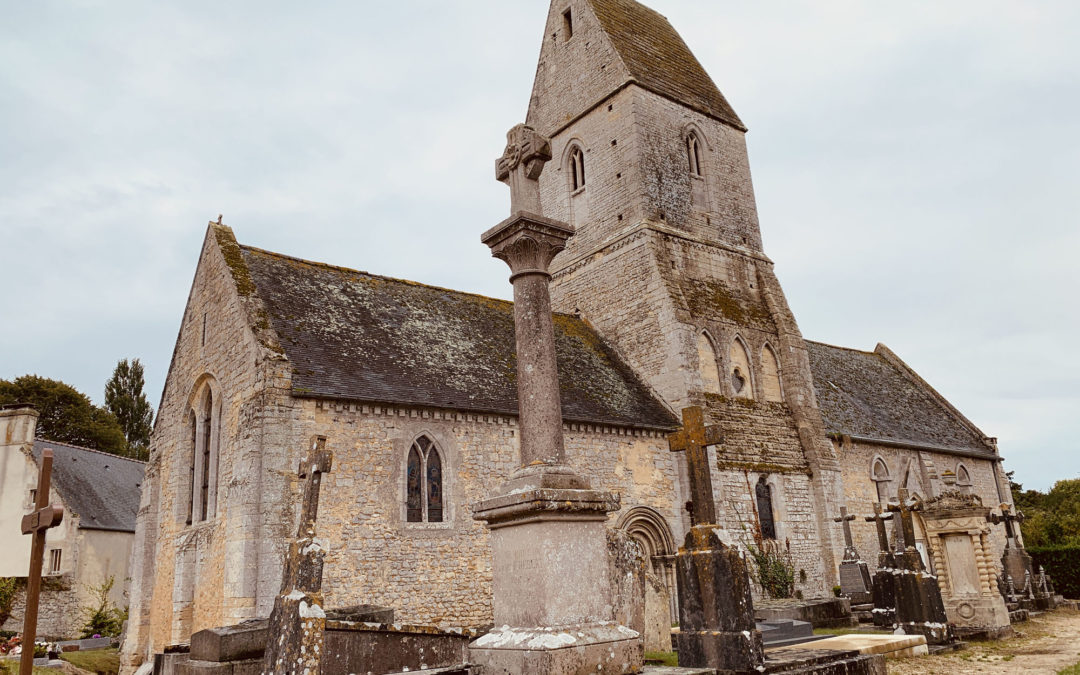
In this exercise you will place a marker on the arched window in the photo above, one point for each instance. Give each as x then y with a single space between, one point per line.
880 475
577 169
693 154
741 379
204 443
963 478
765 509
424 483
710 372
770 376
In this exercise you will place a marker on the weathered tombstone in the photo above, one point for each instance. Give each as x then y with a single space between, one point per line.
920 609
958 532
884 587
44 516
1017 564
657 636
854 572
716 610
298 623
551 591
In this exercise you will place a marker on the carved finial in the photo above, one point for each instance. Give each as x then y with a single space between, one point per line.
520 167
219 217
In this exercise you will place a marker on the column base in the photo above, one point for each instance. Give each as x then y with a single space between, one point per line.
601 648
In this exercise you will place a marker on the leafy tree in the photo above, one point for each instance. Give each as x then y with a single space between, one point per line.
65 414
125 399
1052 518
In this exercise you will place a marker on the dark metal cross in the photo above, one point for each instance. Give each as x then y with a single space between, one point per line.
694 438
315 463
45 516
849 546
879 519
905 509
1008 518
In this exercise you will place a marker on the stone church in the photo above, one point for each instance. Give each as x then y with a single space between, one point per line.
664 298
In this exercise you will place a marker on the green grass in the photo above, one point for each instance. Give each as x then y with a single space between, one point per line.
662 658
1071 670
101 661
11 667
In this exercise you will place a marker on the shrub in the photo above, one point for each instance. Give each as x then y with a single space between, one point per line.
9 590
102 617
1062 564
775 572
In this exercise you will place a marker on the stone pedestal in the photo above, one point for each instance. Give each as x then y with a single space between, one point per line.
716 610
958 529
919 607
884 591
551 587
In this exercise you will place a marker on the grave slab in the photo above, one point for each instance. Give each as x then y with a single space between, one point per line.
891 646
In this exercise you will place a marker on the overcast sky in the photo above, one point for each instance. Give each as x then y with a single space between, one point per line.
915 166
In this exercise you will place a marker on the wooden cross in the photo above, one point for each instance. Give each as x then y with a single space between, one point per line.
879 519
1008 518
45 516
315 463
849 546
694 438
905 508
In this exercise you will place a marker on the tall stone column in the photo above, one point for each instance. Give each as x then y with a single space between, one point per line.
552 598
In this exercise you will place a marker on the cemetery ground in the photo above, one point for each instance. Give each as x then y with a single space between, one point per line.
90 662
1047 643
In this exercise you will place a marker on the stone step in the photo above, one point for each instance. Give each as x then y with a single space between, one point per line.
674 670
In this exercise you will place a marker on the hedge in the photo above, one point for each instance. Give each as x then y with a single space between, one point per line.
1062 564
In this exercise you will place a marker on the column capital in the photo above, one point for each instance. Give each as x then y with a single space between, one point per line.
527 242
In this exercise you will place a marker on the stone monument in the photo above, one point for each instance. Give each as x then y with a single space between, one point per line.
1018 567
298 622
958 532
552 596
884 586
920 609
716 610
854 572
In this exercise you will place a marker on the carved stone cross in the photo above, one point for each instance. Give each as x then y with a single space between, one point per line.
849 547
314 464
694 438
879 519
520 167
905 509
45 516
1008 518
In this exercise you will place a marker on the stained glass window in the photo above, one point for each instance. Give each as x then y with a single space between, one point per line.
414 497
424 483
765 509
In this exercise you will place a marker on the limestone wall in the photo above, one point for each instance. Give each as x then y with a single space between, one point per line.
203 574
861 491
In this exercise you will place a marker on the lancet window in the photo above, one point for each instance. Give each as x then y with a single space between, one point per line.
693 154
424 483
741 382
204 445
880 475
765 509
770 376
710 372
577 169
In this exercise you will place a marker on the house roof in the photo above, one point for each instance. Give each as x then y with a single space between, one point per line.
864 394
102 489
357 336
657 58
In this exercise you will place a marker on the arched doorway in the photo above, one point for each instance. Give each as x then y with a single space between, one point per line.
649 529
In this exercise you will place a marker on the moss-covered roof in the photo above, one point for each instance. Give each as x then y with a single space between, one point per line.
356 336
862 394
658 59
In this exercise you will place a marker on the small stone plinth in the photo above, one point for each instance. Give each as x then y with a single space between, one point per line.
716 610
551 591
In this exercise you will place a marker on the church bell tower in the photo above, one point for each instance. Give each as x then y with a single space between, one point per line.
650 167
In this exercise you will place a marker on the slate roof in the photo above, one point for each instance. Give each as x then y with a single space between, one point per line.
659 60
102 489
862 394
357 336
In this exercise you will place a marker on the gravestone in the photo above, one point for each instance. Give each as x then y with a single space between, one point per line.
1017 565
958 532
884 586
919 605
854 573
298 623
716 609
552 594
